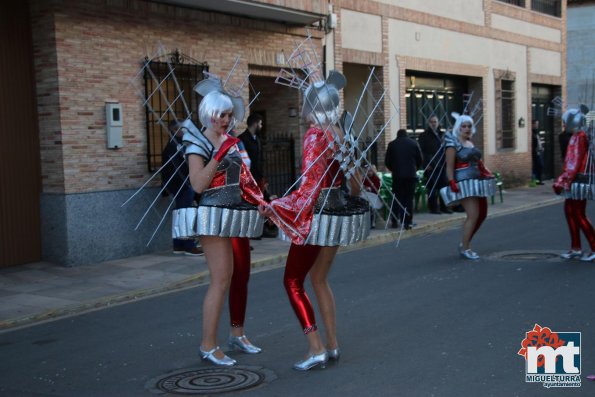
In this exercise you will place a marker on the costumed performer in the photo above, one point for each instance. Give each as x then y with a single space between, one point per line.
319 217
576 184
470 183
227 209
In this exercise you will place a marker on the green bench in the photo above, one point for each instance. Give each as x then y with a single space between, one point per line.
386 184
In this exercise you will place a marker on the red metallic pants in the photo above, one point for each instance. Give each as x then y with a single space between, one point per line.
577 221
483 213
238 290
300 260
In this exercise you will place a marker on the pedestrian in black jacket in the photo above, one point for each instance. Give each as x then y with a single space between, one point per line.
254 147
403 158
430 141
173 177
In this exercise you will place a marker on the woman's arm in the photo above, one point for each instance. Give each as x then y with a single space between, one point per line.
450 162
355 183
201 174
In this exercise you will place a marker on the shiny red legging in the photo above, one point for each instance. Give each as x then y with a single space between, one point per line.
300 260
577 220
238 290
483 213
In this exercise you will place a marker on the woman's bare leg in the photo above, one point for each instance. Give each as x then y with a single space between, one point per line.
471 206
220 263
324 293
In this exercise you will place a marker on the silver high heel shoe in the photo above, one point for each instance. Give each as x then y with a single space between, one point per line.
334 354
571 254
210 356
241 343
311 362
467 254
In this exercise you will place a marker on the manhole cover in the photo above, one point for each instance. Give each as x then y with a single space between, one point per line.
527 256
213 380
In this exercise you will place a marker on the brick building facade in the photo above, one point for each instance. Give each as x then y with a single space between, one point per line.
86 54
507 53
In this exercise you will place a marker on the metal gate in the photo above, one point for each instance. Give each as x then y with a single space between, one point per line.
279 164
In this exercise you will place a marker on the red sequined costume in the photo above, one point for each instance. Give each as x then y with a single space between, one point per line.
317 214
569 184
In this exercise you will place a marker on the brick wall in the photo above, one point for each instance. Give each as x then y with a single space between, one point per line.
87 53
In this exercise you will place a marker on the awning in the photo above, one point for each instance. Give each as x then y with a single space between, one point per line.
251 9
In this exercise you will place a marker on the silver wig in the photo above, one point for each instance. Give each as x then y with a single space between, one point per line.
212 106
460 119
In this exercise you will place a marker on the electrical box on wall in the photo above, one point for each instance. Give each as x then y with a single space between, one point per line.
113 124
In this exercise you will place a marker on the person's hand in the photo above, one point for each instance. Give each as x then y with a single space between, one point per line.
453 186
557 189
224 148
265 211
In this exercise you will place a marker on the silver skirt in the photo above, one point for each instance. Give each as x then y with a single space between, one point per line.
580 191
192 222
334 230
469 188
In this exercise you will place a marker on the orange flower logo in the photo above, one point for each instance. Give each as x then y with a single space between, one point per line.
538 337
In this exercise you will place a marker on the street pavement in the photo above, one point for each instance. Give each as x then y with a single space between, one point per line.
42 291
413 320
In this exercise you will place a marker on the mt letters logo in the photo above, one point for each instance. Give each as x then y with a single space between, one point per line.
552 358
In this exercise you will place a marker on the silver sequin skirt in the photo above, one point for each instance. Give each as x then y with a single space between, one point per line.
204 220
334 230
580 191
469 188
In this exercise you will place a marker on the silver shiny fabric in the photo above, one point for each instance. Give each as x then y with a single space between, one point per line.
469 172
337 230
216 221
469 188
580 191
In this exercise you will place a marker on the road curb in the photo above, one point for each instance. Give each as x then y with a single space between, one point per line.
262 264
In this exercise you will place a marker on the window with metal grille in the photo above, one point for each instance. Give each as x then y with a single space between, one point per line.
169 99
507 113
520 3
550 7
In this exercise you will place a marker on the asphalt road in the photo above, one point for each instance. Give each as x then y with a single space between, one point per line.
413 321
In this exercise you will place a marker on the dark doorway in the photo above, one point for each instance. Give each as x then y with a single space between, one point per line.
280 130
431 93
541 100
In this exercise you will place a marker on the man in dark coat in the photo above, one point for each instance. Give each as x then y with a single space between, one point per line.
536 153
254 147
430 142
403 158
